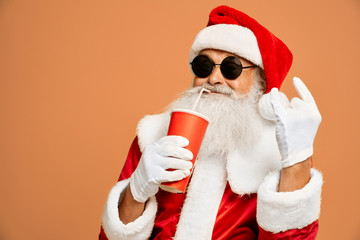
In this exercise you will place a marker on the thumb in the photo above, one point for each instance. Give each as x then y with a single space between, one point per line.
278 108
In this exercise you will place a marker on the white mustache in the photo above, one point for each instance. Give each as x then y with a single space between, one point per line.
216 89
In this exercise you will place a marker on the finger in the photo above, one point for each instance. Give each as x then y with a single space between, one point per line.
296 102
302 90
174 163
265 108
276 104
170 176
283 99
174 140
175 151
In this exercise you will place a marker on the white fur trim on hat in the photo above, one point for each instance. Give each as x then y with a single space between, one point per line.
115 229
235 39
281 211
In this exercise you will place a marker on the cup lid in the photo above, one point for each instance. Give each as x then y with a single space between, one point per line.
191 112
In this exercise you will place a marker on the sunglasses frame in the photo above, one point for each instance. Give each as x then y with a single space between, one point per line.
220 64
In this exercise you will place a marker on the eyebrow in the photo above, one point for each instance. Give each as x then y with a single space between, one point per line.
233 55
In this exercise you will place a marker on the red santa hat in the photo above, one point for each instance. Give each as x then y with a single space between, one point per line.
233 31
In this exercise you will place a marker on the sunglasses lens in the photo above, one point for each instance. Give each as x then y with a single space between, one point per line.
202 66
231 67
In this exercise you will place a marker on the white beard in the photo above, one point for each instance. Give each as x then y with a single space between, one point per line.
234 120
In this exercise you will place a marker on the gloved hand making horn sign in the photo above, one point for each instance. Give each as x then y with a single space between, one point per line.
296 122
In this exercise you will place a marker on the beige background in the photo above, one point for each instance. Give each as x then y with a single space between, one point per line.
76 76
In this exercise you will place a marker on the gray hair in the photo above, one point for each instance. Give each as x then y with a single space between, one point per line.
259 79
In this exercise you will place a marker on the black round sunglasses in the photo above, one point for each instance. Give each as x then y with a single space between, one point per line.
230 67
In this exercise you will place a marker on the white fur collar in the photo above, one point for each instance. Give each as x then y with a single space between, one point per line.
246 168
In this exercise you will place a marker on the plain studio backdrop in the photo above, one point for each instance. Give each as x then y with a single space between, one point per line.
76 76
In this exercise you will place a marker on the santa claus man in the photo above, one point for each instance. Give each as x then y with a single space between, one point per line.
253 177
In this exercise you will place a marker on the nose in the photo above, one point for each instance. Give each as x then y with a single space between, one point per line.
216 77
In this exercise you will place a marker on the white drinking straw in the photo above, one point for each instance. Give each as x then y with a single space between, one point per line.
198 97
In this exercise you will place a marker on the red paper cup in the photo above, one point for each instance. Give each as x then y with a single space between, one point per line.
191 125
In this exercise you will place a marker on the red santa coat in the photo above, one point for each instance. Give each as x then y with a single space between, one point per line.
233 216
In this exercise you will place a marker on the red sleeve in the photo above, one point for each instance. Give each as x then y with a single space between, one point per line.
307 233
130 165
132 160
102 235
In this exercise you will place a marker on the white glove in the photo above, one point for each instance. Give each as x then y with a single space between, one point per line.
296 124
167 152
265 107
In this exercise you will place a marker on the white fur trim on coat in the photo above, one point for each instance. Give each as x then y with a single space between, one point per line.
115 229
228 37
281 211
202 201
152 128
247 168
